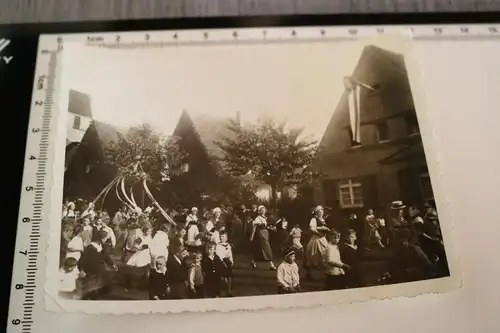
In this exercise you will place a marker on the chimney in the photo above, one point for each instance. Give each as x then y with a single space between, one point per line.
238 118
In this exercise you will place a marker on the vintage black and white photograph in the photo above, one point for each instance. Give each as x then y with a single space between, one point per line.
226 171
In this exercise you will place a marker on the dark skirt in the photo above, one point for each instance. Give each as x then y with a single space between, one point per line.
94 284
353 278
335 282
213 286
228 268
261 248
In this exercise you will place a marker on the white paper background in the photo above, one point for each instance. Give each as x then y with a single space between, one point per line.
461 80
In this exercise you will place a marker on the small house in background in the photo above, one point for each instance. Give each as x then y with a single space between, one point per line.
87 174
79 119
386 162
198 136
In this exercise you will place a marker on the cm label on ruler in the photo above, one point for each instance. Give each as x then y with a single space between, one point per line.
26 263
145 38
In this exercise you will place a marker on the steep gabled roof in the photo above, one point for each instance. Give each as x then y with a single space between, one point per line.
372 57
107 133
79 103
210 130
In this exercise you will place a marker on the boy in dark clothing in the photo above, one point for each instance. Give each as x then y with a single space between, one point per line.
158 281
213 269
177 275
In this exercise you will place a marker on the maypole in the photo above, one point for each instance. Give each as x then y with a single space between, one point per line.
128 199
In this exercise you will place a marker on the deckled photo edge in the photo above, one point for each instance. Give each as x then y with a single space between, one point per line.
54 303
423 109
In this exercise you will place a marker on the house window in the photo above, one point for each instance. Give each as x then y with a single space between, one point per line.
350 193
353 143
382 132
426 187
77 122
185 167
412 123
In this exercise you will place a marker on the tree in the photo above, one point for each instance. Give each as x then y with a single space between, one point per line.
159 156
268 152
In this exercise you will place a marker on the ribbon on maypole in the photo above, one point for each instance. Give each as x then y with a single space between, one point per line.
157 205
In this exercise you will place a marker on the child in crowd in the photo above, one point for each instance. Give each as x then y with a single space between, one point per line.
87 232
334 267
75 245
196 279
351 255
296 234
225 252
213 269
180 233
177 272
68 275
158 284
287 274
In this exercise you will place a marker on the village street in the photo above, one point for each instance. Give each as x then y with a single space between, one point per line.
248 281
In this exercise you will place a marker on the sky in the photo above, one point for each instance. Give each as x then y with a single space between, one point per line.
300 83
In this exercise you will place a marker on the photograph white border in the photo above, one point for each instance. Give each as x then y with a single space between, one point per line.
53 213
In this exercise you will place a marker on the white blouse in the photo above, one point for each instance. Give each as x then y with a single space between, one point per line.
224 250
75 248
191 235
159 244
332 260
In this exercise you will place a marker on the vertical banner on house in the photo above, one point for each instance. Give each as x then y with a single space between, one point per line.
354 105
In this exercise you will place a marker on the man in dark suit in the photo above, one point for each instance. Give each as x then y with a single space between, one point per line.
177 272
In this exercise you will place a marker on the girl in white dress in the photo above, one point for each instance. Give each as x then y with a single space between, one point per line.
160 243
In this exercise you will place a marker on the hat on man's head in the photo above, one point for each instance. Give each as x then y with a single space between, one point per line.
397 205
288 251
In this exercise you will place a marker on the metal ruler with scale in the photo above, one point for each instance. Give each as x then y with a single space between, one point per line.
29 271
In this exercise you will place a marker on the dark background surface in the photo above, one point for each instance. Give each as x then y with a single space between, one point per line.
77 10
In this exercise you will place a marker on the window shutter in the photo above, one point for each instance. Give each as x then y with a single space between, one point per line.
330 192
370 192
409 187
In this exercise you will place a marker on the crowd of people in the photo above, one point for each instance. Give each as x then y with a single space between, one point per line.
191 254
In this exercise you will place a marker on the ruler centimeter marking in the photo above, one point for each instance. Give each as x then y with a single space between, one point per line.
162 38
33 212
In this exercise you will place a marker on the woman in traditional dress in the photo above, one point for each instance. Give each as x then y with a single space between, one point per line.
193 240
260 239
94 264
282 234
317 244
216 219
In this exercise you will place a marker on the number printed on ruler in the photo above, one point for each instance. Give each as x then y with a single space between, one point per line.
162 38
33 197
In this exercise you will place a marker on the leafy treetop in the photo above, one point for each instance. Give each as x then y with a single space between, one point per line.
157 156
268 151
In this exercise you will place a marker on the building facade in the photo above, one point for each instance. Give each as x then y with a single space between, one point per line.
79 116
388 163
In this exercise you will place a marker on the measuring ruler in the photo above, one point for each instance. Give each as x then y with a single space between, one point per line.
29 273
